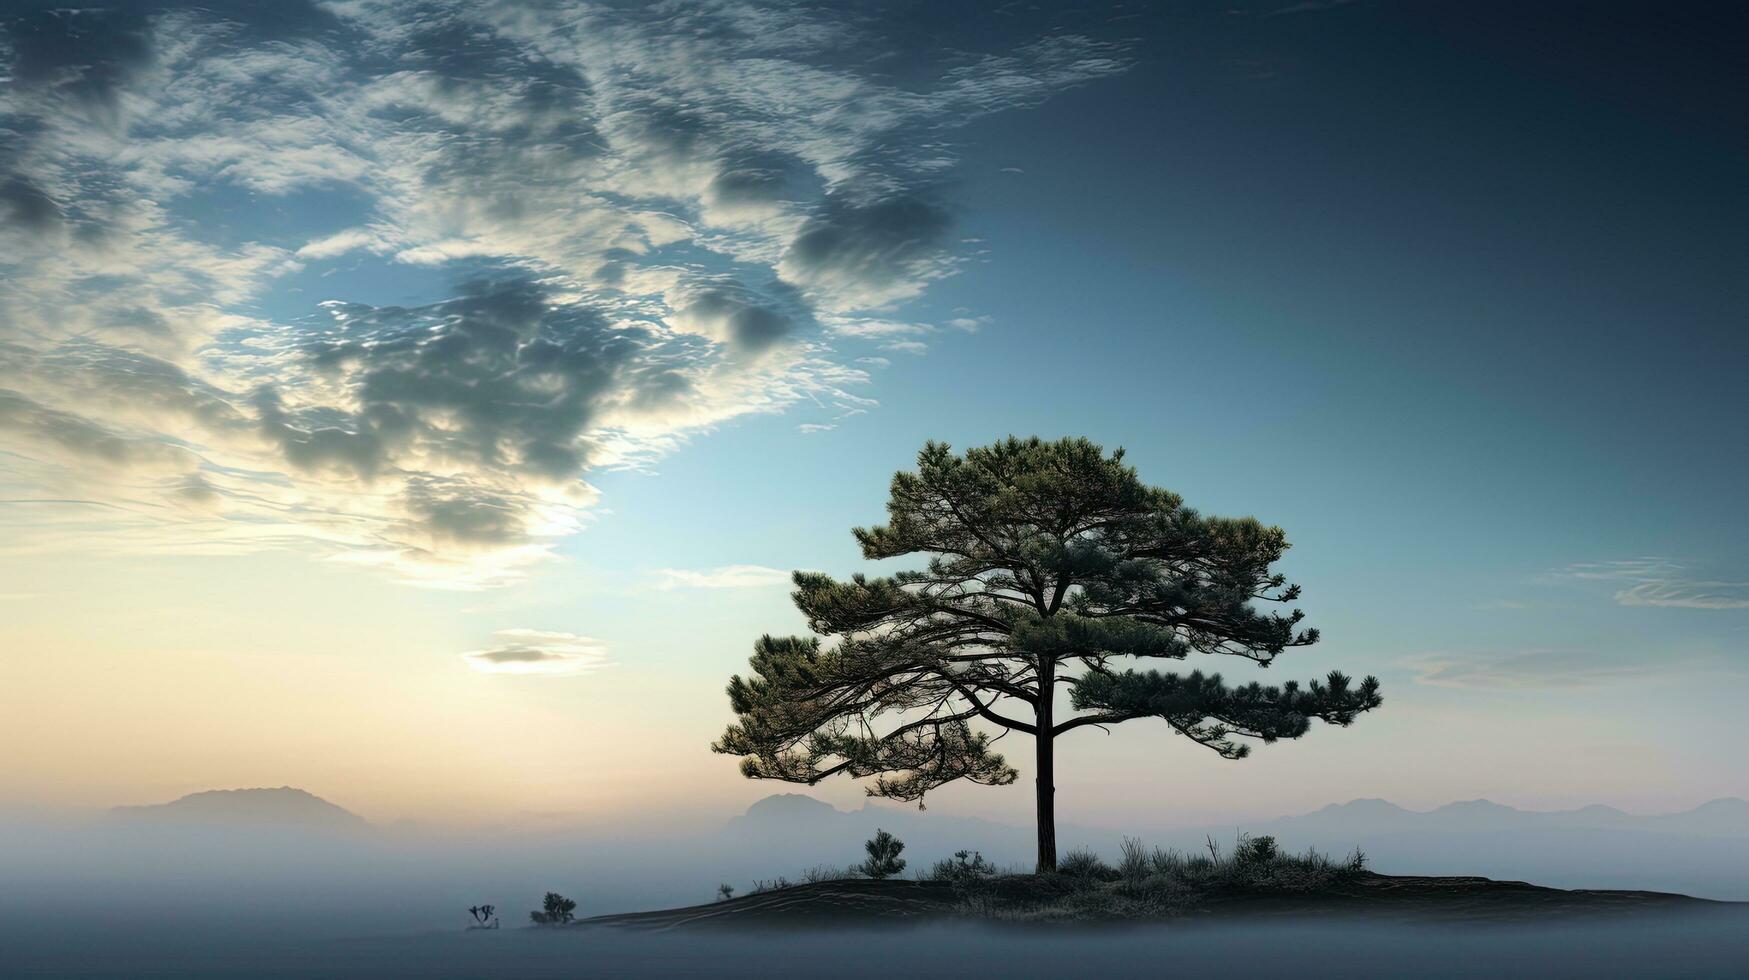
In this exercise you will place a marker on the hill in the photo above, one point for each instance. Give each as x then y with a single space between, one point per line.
1719 818
1057 898
284 807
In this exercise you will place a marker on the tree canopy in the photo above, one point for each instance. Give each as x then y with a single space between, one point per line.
1050 566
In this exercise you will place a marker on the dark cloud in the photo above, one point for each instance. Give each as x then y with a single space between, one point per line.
463 513
734 315
762 177
120 378
517 655
85 53
85 439
498 377
872 245
25 204
325 439
524 651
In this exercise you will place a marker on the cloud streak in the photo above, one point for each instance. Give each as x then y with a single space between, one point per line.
1660 582
539 652
1539 669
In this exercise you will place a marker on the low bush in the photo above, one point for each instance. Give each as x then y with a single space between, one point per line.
1082 863
1255 850
963 868
555 910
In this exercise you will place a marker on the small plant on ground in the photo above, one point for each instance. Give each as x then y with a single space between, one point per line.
827 872
883 856
1135 862
555 910
1255 850
762 885
725 891
1082 863
963 868
1150 883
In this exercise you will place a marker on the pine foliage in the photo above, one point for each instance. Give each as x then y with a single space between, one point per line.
1046 564
556 910
883 856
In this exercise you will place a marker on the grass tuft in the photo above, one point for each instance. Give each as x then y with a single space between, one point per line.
1152 882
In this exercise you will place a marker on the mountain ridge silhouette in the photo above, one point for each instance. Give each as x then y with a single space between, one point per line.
281 806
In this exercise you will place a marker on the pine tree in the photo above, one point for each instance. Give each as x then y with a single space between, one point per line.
556 910
1050 565
883 856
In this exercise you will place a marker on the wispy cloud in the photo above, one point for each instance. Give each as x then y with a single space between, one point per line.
725 577
1660 582
523 651
1541 668
1687 594
664 217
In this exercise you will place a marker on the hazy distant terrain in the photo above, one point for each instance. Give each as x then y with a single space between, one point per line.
285 848
283 870
282 807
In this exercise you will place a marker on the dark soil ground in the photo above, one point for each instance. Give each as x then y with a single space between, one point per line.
862 903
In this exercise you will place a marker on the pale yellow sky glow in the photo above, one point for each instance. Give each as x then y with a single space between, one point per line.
140 680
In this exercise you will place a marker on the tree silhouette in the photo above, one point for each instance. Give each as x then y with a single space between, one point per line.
1051 565
883 856
555 910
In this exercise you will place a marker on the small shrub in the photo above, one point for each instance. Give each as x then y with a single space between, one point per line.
1255 850
555 910
762 885
963 868
883 856
1082 863
1356 861
725 891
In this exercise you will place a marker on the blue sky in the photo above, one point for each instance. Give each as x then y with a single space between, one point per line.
620 298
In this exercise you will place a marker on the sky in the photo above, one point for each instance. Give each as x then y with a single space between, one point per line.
424 404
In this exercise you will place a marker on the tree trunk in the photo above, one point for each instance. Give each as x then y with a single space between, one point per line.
1047 785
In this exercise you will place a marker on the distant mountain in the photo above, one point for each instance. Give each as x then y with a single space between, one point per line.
1728 817
1355 822
1362 819
786 810
1701 851
285 807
